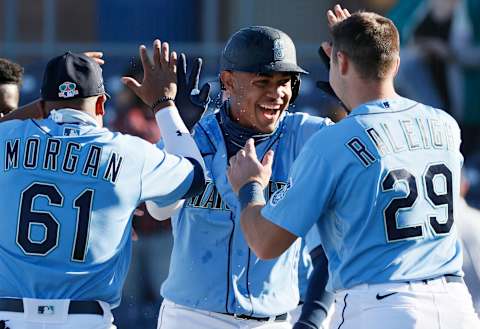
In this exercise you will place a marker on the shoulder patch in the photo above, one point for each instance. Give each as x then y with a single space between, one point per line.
279 195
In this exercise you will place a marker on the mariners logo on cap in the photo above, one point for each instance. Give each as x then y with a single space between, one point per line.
67 90
278 53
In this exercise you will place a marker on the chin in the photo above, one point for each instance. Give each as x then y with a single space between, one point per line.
268 128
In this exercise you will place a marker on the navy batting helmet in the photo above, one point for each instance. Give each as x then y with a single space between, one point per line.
262 49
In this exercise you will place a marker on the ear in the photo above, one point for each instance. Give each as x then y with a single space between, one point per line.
226 77
397 66
100 105
343 62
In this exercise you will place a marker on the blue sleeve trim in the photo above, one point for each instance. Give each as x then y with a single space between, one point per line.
198 181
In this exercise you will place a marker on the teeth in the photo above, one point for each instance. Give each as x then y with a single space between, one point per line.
270 107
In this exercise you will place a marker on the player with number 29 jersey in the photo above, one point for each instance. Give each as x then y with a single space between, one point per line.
394 219
68 191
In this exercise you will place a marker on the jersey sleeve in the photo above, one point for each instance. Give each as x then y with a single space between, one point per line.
309 126
306 195
166 178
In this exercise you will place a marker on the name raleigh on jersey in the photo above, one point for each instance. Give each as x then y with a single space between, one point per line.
30 154
408 135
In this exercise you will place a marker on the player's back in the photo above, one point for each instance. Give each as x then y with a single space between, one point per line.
66 204
397 182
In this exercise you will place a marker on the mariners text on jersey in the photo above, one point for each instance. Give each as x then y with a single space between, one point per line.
31 153
402 135
210 198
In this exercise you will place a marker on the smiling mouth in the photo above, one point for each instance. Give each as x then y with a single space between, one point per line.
269 111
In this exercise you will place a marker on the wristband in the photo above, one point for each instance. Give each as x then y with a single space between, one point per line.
161 100
251 192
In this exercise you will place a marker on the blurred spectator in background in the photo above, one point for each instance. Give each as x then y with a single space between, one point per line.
151 251
441 59
472 174
11 75
469 232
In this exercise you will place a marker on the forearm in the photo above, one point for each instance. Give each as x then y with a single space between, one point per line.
253 229
175 134
178 141
265 238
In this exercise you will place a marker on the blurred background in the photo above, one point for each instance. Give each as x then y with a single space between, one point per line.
440 66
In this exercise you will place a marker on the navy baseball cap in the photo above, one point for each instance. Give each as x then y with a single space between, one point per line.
71 76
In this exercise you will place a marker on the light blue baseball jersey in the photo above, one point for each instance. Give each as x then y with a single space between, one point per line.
211 266
68 191
383 186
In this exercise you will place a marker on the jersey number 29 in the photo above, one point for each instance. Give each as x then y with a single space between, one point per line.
82 204
394 233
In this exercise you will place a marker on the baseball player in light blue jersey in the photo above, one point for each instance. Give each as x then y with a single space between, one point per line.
69 188
383 186
215 281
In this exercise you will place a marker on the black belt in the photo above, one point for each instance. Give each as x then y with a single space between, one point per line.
280 317
75 306
448 278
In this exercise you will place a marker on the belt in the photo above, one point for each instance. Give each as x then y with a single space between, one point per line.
448 278
75 306
280 317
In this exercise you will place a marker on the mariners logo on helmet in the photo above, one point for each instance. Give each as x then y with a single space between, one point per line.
278 53
262 49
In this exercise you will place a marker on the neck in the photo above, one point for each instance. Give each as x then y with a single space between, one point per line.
366 91
236 135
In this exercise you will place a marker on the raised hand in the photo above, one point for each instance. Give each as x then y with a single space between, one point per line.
191 102
97 56
159 75
245 167
336 15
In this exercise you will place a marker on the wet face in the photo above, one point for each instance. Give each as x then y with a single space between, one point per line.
258 100
9 97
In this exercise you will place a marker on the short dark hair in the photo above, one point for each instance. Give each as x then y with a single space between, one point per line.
10 72
371 42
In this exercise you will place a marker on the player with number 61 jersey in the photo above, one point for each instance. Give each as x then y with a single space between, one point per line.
69 188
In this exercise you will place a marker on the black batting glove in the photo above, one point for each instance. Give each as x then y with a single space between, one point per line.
325 85
190 101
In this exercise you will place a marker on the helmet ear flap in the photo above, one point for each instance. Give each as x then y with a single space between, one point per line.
295 87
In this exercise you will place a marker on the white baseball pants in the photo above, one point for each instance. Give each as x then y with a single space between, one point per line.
432 304
56 317
174 316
